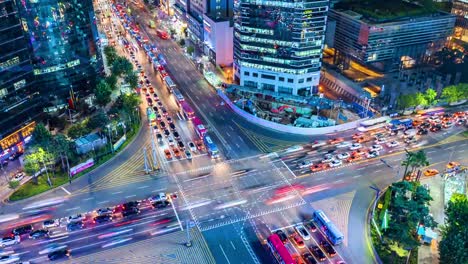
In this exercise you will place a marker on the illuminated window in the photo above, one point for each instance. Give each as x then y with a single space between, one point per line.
3 92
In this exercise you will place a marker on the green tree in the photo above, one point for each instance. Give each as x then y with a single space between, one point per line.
455 93
112 81
41 135
190 50
454 243
111 54
62 149
130 102
132 80
99 120
121 66
406 101
37 160
421 99
415 160
431 96
103 93
78 130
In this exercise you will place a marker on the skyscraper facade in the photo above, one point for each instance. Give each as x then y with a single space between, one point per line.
278 45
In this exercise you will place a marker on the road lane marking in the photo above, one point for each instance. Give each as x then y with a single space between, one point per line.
224 253
232 244
87 199
356 176
231 128
461 150
237 145
65 190
143 187
130 196
361 168
378 170
117 192
103 202
74 208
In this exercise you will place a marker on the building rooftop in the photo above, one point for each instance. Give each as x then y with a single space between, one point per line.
384 11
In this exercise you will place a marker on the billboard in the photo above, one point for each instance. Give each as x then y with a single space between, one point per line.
81 167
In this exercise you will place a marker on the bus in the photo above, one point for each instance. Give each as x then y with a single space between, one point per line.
187 111
170 85
431 111
162 34
279 251
200 129
401 123
161 59
331 231
375 123
211 147
151 115
179 97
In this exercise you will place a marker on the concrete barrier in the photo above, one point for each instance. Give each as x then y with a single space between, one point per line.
284 128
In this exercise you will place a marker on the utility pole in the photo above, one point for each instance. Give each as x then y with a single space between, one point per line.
187 228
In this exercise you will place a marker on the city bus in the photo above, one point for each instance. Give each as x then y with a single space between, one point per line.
161 59
331 231
375 123
431 111
401 123
170 85
279 251
151 116
200 129
179 97
187 111
211 147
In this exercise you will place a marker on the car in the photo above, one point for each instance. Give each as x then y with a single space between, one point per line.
156 129
422 131
102 218
155 97
393 144
362 139
334 141
380 140
311 226
318 253
50 223
18 176
192 146
150 101
13 258
188 154
159 138
452 165
39 233
60 253
160 204
431 172
318 143
328 248
22 230
357 135
200 145
302 231
162 196
355 146
308 258
436 128
155 108
162 125
447 125
372 154
376 147
164 111
74 218
319 167
354 158
176 135
344 144
169 120
358 152
171 141
167 132
130 211
298 241
180 144
172 126
104 211
177 153
10 240
425 125
335 163
305 164
160 104
343 155
75 225
282 236
460 122
158 117
411 140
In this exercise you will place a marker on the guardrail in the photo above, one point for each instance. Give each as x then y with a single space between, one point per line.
284 128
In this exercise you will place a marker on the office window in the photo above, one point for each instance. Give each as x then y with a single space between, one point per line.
301 80
250 84
269 77
285 90
290 80
255 74
246 73
269 87
281 79
309 79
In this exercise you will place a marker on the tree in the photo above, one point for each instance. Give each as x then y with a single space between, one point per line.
190 50
103 93
431 96
36 160
406 101
41 135
112 81
452 247
408 162
132 80
455 93
99 120
421 99
130 102
121 66
415 161
77 130
111 54
62 149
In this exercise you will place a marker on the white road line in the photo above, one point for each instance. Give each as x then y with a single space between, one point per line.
65 190
361 168
288 168
357 176
232 244
461 150
227 133
74 208
341 173
224 253
87 199
117 192
130 196
231 128
103 202
143 187
339 181
237 145
378 170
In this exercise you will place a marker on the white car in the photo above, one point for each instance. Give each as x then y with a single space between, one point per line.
343 155
355 146
50 223
10 241
9 259
335 163
328 158
380 140
158 198
192 146
393 144
344 144
104 211
317 144
376 147
19 176
75 218
372 154
302 231
305 164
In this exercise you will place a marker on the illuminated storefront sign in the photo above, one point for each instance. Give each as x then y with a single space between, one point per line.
16 137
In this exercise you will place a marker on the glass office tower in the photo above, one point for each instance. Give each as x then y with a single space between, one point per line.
278 45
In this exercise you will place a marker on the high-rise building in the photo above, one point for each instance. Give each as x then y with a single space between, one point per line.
460 9
18 97
278 45
385 41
